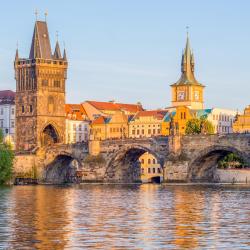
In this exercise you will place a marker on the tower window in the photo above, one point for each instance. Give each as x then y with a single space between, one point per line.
57 84
45 83
31 108
22 109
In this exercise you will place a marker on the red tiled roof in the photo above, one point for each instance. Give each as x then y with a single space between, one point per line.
7 93
75 112
116 106
99 120
7 97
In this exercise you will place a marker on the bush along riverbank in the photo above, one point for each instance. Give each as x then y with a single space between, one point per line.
6 161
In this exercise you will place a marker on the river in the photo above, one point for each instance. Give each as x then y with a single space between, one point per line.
125 217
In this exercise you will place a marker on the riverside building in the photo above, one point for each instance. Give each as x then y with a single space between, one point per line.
7 115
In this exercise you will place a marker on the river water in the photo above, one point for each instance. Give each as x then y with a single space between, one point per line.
125 217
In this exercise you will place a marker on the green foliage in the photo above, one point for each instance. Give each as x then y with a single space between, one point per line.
197 126
231 161
6 162
193 127
1 136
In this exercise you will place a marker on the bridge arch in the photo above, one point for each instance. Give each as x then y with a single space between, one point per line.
203 166
62 168
124 166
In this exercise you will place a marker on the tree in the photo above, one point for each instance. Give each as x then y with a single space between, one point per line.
193 127
231 160
6 160
199 126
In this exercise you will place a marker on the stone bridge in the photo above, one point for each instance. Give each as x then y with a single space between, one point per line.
185 159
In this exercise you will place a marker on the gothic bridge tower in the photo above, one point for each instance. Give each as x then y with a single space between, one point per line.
40 93
187 91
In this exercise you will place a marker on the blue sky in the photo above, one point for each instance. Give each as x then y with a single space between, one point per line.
130 50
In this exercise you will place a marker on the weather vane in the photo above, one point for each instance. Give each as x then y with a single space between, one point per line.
36 13
46 14
57 35
187 28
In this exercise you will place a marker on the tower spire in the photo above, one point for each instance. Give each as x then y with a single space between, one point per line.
57 53
187 64
40 45
16 56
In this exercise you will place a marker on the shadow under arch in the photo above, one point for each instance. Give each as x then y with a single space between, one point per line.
63 169
50 134
203 168
124 165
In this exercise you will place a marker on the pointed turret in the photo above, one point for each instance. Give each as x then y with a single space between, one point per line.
40 46
57 53
187 66
64 55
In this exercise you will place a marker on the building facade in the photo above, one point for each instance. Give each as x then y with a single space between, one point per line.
7 116
110 127
222 120
146 123
151 170
40 93
77 124
187 91
242 122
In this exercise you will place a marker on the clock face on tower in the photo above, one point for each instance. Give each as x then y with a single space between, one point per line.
181 95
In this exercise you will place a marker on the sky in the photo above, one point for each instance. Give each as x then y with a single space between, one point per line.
130 51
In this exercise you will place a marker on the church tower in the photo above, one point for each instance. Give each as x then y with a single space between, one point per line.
40 93
187 91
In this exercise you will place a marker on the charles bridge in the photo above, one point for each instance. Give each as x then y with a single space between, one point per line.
183 158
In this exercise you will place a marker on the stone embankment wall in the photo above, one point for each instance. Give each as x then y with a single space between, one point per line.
233 175
28 165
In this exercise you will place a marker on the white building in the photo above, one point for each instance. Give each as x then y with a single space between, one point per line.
7 115
77 124
222 119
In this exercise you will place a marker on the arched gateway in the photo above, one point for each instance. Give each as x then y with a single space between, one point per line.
49 135
124 166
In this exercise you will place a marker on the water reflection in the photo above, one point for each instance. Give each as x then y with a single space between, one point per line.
124 217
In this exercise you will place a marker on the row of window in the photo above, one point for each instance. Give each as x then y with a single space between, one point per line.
116 130
56 83
2 111
151 170
154 125
223 129
183 115
12 124
142 131
29 109
79 138
80 127
154 161
224 118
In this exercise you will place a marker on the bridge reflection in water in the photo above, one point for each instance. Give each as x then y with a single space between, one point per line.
124 217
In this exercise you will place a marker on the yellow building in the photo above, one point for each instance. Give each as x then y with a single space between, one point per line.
110 127
242 122
146 123
150 169
179 118
187 91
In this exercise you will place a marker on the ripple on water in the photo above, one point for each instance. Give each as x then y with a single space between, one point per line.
125 217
